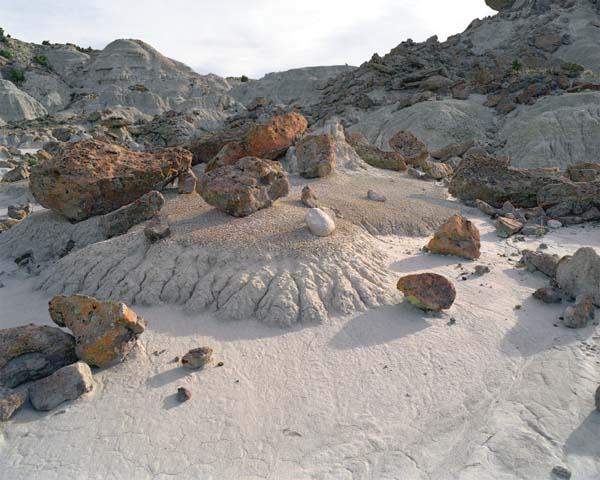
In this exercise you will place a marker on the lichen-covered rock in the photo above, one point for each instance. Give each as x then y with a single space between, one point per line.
144 208
580 314
375 156
68 383
580 274
309 197
428 291
413 150
105 332
197 358
457 236
93 178
263 140
244 188
319 222
10 401
31 352
315 155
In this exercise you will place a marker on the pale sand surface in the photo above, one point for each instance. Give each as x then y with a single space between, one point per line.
388 394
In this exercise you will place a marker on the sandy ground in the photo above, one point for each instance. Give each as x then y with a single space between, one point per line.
393 393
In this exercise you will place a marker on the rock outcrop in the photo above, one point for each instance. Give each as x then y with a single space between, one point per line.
31 352
16 105
92 178
105 331
580 274
241 189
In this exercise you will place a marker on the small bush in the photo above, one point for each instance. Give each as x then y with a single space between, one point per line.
16 75
2 37
46 42
41 60
244 78
517 66
6 54
33 162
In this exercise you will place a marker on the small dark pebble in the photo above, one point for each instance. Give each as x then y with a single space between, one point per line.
518 307
220 364
183 394
452 321
561 472
176 360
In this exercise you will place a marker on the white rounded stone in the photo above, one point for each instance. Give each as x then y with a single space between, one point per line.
319 222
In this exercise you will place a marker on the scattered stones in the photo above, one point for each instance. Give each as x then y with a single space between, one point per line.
30 352
579 315
121 220
559 471
319 222
580 274
428 291
187 182
197 358
457 236
10 401
548 295
316 156
244 188
20 210
20 172
413 150
105 331
90 178
375 197
157 229
540 261
309 197
183 394
507 227
68 383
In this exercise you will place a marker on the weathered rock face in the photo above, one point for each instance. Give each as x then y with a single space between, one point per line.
319 222
68 383
144 208
484 177
580 274
410 147
244 188
428 291
31 352
105 331
373 155
269 140
93 178
457 236
316 156
10 401
17 105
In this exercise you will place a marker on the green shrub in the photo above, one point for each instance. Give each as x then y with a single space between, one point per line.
517 66
6 54
33 162
46 42
244 78
16 75
41 60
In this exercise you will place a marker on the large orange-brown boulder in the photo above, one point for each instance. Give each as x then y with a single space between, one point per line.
91 177
263 140
428 291
244 188
105 332
457 236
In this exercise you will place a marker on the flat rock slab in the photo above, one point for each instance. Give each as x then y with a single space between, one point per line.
68 383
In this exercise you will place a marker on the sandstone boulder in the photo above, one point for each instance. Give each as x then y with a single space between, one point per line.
507 227
105 331
121 220
10 401
413 150
93 178
197 358
31 352
428 291
68 383
540 261
566 199
437 170
244 188
457 236
315 156
580 274
263 140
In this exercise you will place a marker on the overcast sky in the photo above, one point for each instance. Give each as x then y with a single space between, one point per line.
251 37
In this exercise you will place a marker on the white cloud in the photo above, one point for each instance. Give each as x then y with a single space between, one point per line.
252 37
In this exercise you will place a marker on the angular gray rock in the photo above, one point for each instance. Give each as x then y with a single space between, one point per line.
540 261
16 105
31 352
507 227
68 383
121 220
580 274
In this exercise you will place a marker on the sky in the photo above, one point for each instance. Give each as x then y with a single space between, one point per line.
243 37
